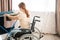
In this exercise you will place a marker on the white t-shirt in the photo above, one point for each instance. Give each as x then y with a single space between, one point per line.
24 21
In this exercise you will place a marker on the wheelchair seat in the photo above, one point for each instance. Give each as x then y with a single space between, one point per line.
22 32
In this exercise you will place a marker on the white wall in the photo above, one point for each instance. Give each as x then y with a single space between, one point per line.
47 24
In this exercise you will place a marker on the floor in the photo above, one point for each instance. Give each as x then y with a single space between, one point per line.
50 37
46 37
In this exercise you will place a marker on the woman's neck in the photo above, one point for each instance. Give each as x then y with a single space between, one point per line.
22 10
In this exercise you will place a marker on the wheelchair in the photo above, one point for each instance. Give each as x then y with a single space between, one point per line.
24 34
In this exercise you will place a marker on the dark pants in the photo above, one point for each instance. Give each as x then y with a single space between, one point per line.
4 30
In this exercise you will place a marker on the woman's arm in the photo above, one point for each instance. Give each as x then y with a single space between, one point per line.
12 17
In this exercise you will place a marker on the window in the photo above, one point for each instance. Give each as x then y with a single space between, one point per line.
36 5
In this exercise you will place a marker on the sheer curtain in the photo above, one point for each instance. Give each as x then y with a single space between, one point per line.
36 5
43 8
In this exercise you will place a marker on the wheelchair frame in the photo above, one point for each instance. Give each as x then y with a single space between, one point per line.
30 33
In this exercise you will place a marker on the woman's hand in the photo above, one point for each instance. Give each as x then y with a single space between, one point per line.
6 14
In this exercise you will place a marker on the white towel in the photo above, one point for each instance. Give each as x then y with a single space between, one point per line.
0 38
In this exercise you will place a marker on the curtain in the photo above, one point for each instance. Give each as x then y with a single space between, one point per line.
36 5
5 5
58 16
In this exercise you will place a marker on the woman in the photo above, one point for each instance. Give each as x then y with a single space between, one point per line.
22 16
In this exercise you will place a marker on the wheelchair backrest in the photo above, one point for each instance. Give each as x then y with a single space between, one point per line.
34 22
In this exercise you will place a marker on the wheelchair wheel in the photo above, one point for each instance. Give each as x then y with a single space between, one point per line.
37 32
28 37
9 38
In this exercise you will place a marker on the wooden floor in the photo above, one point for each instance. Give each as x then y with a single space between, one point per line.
50 37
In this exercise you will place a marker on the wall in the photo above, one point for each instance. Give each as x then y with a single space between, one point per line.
47 22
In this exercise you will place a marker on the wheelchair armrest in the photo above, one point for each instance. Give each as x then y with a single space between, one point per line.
37 16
